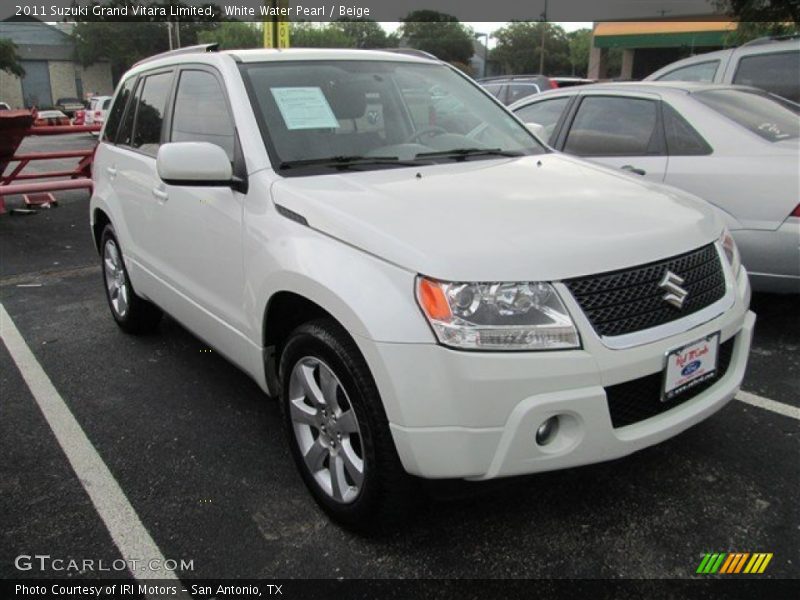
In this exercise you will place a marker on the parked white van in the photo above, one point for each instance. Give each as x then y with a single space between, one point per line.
423 303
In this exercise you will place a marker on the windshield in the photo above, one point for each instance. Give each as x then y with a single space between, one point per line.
756 111
333 114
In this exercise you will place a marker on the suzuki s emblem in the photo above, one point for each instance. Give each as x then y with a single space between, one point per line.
675 295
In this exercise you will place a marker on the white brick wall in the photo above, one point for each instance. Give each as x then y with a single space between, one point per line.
62 79
10 90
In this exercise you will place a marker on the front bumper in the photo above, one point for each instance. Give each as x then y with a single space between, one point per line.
474 415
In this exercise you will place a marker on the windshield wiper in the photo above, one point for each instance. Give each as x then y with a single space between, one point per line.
463 153
344 162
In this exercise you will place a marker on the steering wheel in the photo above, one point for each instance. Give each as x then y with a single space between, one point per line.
433 130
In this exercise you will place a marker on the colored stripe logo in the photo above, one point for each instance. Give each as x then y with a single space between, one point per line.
732 563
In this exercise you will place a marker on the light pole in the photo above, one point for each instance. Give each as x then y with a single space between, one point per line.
544 33
485 51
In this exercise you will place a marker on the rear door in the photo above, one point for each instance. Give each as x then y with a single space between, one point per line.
136 181
620 131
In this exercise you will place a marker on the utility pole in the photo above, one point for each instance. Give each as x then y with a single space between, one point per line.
178 33
169 34
544 33
478 36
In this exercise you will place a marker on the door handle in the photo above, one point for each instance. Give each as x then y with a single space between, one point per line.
160 194
632 169
112 172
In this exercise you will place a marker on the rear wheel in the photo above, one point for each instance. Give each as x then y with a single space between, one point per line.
338 431
132 313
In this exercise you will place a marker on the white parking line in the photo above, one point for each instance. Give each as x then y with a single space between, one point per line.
787 410
119 517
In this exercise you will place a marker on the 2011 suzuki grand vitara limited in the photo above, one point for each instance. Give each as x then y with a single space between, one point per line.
427 288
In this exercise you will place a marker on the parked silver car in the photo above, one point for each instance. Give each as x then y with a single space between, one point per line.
769 64
736 147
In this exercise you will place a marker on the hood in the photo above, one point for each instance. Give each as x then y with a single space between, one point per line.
546 217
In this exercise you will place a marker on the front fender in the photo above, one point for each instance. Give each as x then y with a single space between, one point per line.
370 297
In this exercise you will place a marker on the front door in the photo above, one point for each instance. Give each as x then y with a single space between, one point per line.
622 132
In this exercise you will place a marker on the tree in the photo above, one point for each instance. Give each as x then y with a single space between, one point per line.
125 43
580 46
313 35
518 48
9 59
440 34
365 33
750 30
233 34
767 11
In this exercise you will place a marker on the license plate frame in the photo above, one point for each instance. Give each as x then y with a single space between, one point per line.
674 382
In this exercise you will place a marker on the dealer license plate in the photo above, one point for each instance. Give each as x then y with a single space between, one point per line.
690 365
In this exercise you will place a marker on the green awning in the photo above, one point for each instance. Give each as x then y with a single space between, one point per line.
661 40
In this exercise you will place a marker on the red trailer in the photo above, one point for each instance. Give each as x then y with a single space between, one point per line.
15 125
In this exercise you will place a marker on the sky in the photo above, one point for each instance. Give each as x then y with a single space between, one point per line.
489 27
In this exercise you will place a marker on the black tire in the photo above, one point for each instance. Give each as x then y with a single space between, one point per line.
387 493
139 316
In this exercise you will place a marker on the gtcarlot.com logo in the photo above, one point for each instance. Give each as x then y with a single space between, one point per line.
45 562
734 563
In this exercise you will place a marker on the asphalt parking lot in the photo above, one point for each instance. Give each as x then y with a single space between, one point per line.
198 452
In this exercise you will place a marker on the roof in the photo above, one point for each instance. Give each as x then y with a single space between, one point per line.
33 32
641 87
283 54
662 34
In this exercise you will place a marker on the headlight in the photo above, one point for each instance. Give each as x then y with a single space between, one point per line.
497 316
731 251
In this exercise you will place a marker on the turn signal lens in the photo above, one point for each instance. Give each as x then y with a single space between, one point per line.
731 251
796 212
432 299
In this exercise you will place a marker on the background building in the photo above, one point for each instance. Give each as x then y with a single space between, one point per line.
47 54
649 45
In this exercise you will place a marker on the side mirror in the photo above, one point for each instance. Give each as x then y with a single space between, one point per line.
538 130
194 163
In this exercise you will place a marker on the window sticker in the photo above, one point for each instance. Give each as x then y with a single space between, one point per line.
304 108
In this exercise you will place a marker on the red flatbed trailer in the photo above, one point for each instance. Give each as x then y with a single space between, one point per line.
15 126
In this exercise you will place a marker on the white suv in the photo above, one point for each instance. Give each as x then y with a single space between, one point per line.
424 303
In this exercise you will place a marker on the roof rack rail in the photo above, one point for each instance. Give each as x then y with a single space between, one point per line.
772 38
411 52
511 77
198 49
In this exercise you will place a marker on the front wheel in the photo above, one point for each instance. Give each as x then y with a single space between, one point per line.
132 313
338 431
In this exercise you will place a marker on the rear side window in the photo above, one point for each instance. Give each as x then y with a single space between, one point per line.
755 111
682 138
517 91
546 113
494 89
126 129
704 71
115 116
778 73
201 112
613 126
150 105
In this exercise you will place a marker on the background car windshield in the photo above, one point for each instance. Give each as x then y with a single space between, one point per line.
318 109
755 111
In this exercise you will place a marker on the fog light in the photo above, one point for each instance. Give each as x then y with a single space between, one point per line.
547 431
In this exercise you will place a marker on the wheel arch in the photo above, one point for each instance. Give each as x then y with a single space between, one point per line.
99 221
